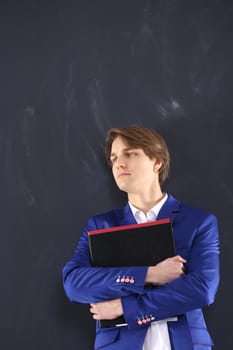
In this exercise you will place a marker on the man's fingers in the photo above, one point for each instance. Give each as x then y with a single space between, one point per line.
92 308
179 258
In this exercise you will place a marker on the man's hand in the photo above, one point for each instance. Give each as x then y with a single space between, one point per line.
166 271
106 310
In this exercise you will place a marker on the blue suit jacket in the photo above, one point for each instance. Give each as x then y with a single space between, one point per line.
196 239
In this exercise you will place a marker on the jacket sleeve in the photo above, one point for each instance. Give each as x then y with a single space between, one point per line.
193 290
86 284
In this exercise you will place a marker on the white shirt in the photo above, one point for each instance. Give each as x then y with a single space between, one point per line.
157 336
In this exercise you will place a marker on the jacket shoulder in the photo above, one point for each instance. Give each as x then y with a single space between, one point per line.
108 219
190 208
194 213
188 211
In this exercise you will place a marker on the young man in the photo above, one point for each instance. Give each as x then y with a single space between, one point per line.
162 305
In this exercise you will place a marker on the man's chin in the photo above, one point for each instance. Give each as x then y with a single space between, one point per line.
123 188
126 188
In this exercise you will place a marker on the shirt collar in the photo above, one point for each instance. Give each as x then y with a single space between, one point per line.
151 215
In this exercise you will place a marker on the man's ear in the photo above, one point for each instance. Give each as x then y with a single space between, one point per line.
157 165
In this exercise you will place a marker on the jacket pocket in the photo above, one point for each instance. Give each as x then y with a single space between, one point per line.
106 337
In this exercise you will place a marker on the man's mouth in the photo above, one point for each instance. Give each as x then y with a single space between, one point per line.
123 174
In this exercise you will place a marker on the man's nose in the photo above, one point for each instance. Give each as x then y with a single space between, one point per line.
120 162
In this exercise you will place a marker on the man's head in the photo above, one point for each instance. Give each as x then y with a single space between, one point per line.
148 140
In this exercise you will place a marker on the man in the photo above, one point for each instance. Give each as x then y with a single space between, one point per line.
162 307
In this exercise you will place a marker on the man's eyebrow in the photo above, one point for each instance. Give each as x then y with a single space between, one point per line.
124 150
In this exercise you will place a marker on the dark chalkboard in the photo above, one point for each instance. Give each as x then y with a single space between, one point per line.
69 71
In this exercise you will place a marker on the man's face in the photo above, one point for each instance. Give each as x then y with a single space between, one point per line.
132 169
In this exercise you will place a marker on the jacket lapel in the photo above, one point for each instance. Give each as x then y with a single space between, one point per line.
170 209
127 217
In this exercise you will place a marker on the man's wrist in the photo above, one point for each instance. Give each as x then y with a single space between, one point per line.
150 276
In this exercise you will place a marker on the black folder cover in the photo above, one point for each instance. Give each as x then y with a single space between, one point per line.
132 245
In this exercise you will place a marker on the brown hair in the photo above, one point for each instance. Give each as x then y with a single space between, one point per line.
147 139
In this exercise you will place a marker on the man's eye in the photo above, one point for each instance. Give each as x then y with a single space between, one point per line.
129 154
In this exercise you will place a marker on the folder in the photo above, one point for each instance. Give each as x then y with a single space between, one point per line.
132 245
143 244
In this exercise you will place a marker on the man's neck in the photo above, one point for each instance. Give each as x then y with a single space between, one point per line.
145 203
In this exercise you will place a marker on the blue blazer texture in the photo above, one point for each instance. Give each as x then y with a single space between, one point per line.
196 239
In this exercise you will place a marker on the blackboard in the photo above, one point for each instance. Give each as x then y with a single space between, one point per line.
69 71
